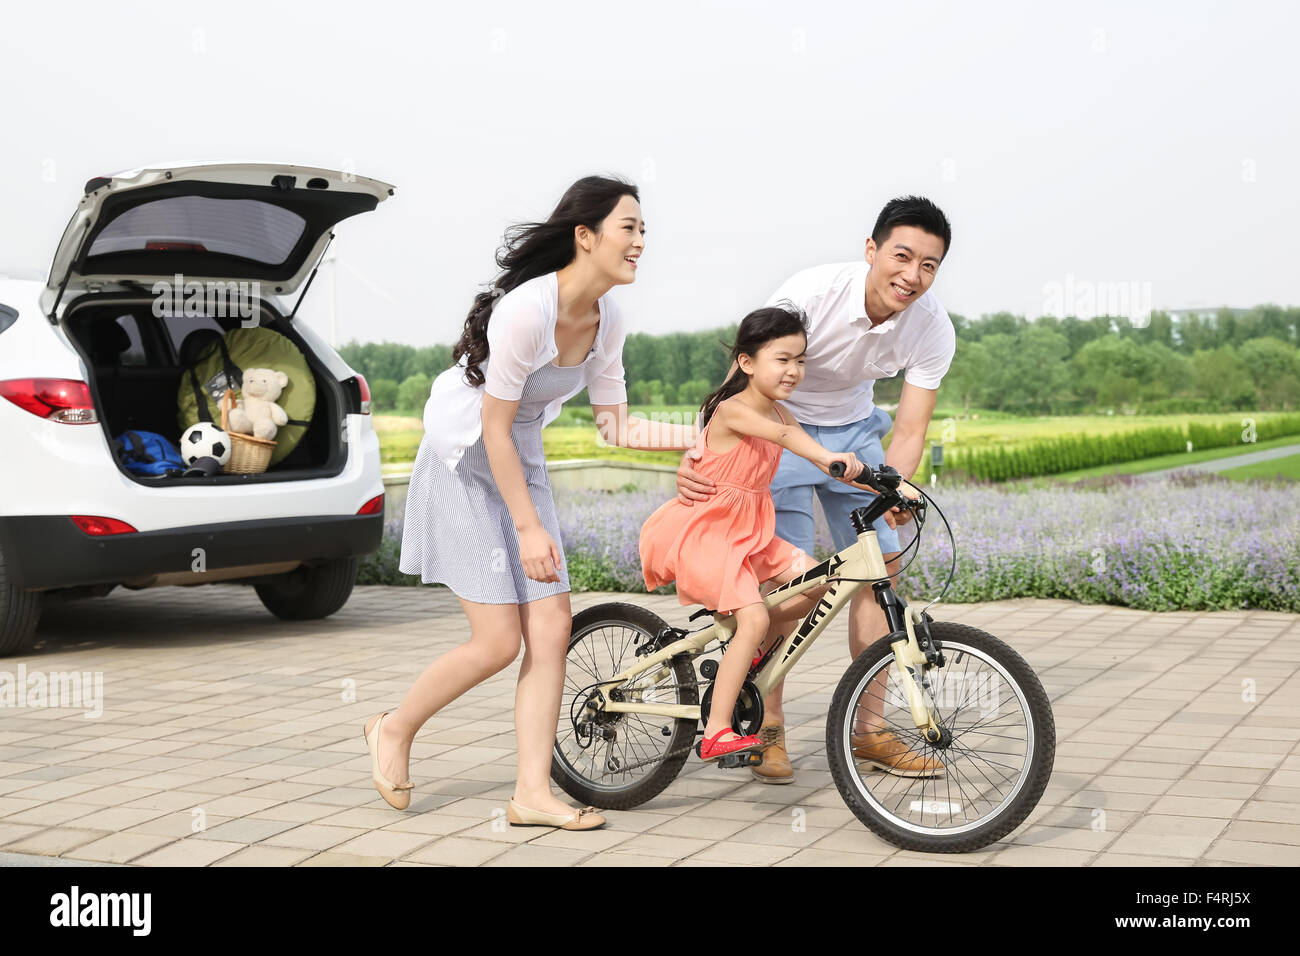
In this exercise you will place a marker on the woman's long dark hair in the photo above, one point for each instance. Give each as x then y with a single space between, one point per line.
533 249
756 329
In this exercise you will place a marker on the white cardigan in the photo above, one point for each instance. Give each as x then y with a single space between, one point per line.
521 339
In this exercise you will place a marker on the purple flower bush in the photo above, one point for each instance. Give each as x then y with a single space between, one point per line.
1192 541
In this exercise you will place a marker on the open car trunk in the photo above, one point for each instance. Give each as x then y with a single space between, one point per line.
135 371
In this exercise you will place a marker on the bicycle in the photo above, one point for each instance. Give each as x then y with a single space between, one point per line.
632 722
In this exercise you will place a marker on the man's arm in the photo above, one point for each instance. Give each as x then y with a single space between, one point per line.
915 408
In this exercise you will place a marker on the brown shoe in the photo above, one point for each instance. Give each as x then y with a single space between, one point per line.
775 767
885 751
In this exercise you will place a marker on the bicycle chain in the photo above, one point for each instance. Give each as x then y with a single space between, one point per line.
667 756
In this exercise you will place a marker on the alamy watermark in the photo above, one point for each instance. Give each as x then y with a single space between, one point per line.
84 689
215 299
1085 299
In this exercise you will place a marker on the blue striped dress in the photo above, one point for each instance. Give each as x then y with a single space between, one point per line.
458 531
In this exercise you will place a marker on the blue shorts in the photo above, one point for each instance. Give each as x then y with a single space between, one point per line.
796 478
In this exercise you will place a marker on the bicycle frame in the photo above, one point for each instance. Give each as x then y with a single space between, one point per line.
861 560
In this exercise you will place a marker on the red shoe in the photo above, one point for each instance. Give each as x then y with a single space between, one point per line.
711 748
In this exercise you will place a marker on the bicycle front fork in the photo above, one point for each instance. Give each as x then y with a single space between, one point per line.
914 656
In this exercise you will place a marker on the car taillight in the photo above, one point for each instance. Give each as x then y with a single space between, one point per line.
365 394
374 506
94 524
58 399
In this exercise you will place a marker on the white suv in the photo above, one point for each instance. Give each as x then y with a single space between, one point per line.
89 355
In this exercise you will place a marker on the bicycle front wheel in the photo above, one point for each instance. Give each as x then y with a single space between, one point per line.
617 761
967 792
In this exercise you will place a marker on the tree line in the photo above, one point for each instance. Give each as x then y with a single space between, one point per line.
1047 365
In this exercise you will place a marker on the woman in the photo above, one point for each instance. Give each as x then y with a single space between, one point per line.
480 516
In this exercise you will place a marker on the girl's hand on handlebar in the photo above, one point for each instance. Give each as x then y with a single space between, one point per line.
852 467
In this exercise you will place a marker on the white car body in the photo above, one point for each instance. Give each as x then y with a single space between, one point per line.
58 468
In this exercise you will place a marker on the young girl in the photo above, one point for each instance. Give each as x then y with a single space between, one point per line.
719 551
480 515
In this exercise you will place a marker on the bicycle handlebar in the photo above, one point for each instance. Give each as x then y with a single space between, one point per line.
884 480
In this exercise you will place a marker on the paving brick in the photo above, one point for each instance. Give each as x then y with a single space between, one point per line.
1269 812
54 841
1131 859
458 851
311 836
1255 854
188 852
1258 831
1197 806
673 847
120 847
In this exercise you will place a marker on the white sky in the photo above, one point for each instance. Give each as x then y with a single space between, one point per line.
1103 144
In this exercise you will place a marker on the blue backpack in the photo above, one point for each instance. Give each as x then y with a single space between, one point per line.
148 453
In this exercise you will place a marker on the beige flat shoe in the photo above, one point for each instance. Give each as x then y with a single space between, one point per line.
588 818
398 796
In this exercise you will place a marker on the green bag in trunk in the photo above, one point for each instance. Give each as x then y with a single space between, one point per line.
221 363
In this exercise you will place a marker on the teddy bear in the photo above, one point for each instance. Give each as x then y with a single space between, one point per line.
255 412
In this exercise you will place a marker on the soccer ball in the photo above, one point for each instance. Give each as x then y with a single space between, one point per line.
205 440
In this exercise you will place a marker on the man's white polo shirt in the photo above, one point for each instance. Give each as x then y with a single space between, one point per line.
846 353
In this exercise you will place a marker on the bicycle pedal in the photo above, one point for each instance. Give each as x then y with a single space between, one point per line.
745 758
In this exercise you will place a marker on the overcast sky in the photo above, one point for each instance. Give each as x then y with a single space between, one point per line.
1149 151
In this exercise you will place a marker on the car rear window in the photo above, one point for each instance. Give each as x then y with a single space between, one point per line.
240 227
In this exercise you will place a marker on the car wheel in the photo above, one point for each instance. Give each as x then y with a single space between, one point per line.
19 612
306 594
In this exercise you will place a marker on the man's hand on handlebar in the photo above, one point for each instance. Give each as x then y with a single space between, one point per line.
899 515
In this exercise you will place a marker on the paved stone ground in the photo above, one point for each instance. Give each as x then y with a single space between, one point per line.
228 737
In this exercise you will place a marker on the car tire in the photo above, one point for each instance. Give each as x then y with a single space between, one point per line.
307 594
19 612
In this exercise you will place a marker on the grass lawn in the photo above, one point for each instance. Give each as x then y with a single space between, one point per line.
987 431
399 435
1288 467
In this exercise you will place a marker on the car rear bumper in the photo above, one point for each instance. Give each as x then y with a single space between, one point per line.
49 551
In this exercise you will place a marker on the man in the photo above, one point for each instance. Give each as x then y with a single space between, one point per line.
866 320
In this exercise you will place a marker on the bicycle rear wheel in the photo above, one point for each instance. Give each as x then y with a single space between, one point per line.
619 761
967 794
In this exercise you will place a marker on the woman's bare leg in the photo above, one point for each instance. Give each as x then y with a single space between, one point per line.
547 624
494 637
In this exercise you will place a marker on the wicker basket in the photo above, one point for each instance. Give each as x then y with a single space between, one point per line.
248 455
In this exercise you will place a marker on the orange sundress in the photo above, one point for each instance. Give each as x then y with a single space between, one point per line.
719 550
